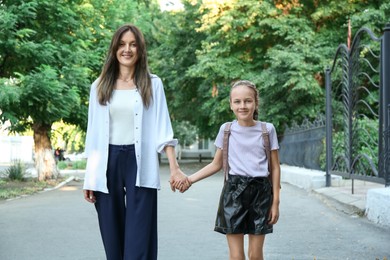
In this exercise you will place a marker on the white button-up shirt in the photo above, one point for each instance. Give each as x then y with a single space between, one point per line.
152 132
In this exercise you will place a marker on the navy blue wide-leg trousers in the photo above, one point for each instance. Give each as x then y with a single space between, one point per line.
128 214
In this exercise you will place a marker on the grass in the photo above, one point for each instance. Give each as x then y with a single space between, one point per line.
73 165
15 188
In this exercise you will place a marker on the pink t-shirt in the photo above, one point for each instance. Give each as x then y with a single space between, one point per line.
246 154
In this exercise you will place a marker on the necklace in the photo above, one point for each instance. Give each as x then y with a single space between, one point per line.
126 80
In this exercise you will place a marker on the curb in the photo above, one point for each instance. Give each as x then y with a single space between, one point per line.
69 179
340 204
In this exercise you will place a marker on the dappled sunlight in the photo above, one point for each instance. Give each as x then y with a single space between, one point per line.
213 10
69 188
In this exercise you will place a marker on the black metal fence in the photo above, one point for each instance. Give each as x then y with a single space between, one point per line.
302 145
358 109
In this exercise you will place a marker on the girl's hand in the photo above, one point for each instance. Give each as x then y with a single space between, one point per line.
183 186
273 214
178 180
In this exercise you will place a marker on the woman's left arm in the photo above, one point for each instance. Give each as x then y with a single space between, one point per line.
275 165
177 176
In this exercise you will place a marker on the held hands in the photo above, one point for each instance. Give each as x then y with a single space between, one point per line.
179 181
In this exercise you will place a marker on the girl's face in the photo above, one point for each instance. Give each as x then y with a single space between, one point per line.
243 103
127 50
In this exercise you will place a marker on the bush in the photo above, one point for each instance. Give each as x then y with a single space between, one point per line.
81 165
15 171
74 165
62 165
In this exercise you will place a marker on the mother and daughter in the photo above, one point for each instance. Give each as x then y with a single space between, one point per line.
129 124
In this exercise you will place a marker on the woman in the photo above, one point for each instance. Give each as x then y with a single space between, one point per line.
128 125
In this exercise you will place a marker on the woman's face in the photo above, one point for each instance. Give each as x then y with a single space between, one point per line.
127 50
243 103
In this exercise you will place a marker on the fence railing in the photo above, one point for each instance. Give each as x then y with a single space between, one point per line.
302 145
358 109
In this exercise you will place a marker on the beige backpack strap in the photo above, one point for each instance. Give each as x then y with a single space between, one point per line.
267 147
225 149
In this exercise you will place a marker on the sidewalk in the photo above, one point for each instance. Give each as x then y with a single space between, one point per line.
60 224
338 196
368 199
354 203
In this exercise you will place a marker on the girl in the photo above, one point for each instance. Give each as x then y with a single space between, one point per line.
128 124
249 202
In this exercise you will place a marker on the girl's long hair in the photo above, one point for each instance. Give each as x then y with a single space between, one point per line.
252 86
110 71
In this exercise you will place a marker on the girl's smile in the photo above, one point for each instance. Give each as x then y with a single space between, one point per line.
243 104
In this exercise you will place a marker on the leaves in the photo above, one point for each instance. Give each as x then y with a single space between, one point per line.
282 46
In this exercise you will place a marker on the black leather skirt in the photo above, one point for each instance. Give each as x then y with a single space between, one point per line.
244 206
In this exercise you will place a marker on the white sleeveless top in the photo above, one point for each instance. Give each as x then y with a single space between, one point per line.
122 116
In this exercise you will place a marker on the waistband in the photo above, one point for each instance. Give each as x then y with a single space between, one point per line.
246 178
244 182
121 147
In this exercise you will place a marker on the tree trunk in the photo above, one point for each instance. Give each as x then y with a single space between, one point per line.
44 158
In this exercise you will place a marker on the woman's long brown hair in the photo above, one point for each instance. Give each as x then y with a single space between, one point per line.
110 71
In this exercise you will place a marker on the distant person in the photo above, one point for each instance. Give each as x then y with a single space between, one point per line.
128 125
57 153
249 202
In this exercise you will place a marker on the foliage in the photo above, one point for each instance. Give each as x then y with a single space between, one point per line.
79 165
50 52
47 66
62 165
184 132
16 171
282 46
68 137
10 189
73 165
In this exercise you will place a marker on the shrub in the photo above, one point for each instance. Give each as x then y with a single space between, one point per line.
79 165
74 165
62 165
15 171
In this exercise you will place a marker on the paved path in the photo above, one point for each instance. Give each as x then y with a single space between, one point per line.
59 225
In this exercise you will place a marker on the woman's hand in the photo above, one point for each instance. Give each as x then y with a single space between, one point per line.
89 196
179 181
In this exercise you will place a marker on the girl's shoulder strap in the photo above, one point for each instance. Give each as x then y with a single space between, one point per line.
225 148
265 134
266 142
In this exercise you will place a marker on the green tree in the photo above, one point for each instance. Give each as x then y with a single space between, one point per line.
50 53
46 63
283 46
173 53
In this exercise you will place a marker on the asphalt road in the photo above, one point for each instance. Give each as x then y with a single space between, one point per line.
59 224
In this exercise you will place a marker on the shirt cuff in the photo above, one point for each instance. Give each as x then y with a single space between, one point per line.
161 147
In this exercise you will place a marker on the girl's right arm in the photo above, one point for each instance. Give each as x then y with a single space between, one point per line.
210 169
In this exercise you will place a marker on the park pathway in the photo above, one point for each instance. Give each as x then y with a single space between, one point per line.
59 224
